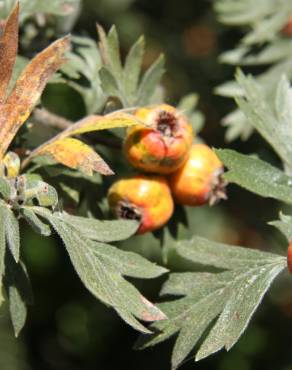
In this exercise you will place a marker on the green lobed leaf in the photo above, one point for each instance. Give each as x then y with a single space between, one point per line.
284 225
256 175
122 82
263 43
128 263
19 292
35 222
102 277
270 120
2 247
102 231
86 61
222 302
150 80
11 231
5 188
112 49
132 68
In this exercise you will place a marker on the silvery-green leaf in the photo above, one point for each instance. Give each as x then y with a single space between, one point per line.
86 61
11 231
256 175
132 69
128 263
5 188
150 80
19 292
222 302
102 277
102 231
35 222
2 247
284 224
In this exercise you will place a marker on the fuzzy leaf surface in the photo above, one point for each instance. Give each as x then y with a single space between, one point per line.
125 82
19 292
220 303
256 175
101 273
284 224
11 231
103 231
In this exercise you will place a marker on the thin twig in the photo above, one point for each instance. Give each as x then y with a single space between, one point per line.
47 118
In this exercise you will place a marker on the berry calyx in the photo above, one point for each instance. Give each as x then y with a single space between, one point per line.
199 180
162 144
146 199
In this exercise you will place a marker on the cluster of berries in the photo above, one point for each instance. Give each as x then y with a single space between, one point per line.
173 169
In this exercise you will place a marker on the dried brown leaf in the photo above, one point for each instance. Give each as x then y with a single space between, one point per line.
28 89
8 51
77 155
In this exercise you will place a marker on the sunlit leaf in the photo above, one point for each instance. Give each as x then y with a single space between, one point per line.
100 267
222 302
75 154
103 231
19 292
97 123
256 175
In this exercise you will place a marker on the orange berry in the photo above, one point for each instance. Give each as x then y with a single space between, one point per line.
199 180
289 257
287 29
162 144
146 199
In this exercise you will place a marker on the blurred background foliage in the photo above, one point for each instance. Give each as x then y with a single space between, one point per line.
67 327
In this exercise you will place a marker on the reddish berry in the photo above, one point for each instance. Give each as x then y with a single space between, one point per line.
199 180
162 144
287 29
289 257
146 199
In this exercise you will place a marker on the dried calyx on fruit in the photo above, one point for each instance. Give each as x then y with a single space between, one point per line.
146 199
162 143
199 180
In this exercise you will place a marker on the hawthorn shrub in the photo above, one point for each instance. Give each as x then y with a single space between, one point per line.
59 185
